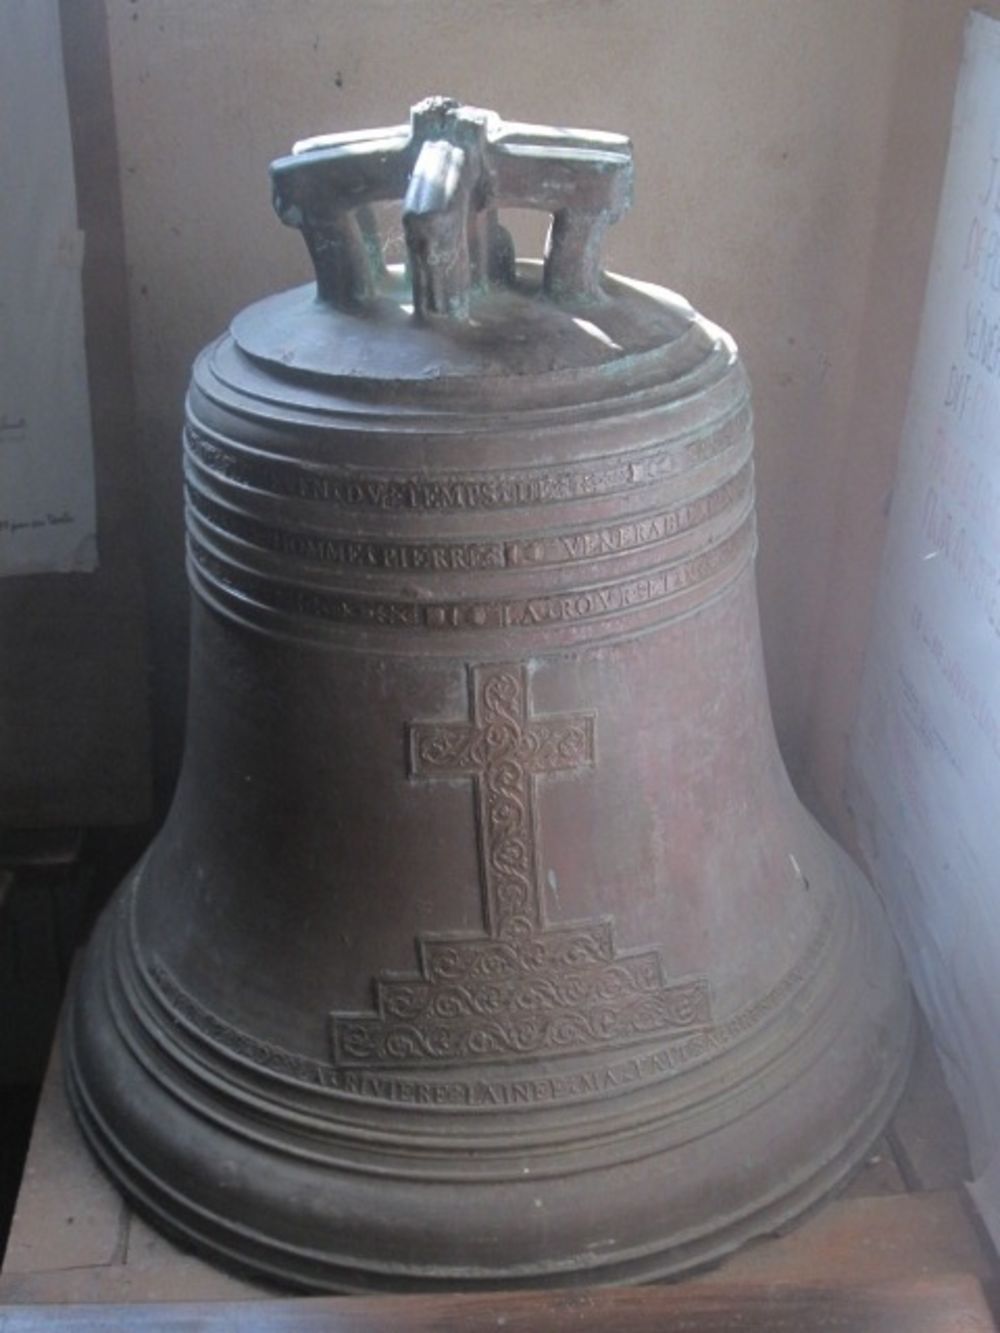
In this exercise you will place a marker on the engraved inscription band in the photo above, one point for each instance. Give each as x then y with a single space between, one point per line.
344 488
652 588
580 545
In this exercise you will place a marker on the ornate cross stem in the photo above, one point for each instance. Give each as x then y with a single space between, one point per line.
504 751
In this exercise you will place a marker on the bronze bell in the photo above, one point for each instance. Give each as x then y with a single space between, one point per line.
486 942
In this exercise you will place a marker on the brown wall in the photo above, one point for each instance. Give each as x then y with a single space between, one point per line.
789 154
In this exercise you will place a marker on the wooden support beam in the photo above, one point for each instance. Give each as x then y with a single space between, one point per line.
942 1305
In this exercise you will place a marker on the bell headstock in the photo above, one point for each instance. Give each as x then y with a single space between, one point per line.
453 167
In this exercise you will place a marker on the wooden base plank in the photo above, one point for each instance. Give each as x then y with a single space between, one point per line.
944 1305
883 1239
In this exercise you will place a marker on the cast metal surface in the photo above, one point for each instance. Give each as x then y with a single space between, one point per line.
486 942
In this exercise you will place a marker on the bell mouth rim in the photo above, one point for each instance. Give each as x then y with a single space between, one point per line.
336 1129
231 1240
249 1253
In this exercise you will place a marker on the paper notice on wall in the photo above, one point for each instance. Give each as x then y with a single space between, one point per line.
47 515
926 748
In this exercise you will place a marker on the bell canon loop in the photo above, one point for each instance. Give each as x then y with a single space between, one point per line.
486 942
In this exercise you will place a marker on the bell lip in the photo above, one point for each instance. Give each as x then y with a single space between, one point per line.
250 1254
588 1123
807 1174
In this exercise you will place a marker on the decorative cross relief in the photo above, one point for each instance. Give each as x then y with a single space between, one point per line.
524 988
504 752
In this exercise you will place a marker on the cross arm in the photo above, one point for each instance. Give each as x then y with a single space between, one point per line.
441 750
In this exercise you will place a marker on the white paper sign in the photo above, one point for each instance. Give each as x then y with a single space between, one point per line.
47 515
926 748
